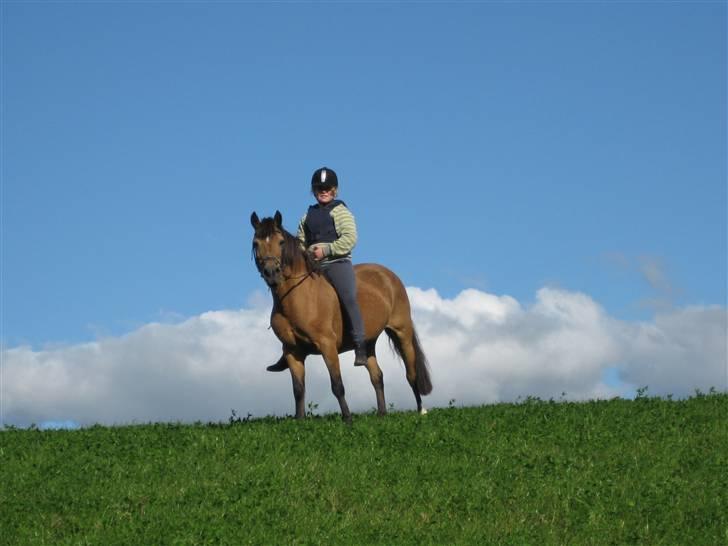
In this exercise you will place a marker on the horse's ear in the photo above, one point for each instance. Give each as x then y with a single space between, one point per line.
278 218
254 220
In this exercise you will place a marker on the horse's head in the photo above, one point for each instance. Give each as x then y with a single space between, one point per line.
268 247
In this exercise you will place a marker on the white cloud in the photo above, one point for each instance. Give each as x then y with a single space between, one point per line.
482 348
680 351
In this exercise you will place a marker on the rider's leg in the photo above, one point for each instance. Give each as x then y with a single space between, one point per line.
341 275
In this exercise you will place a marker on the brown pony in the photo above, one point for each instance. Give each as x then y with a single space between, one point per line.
308 319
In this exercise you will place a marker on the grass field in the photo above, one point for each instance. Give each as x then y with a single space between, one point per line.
644 471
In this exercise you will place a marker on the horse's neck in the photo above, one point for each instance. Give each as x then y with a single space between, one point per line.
292 293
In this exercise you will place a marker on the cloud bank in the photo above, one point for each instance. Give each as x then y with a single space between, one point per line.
482 348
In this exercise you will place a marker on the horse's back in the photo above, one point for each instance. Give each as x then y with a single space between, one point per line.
379 278
381 294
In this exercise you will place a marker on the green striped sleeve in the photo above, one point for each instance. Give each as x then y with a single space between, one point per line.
346 230
301 234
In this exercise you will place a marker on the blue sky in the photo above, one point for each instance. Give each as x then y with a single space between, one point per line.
499 146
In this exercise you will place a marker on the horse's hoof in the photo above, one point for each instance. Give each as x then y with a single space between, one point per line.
423 411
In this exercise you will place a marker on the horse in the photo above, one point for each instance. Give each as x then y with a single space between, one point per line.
307 317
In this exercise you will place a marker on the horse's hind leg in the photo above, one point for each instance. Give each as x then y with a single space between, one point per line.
402 339
298 377
331 357
375 374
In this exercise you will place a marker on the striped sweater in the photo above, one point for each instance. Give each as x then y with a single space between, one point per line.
346 235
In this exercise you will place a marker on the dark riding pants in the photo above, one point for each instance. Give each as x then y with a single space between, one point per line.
341 276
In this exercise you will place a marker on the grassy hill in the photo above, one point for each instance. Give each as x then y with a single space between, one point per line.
647 471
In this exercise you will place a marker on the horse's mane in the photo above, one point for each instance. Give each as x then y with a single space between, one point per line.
291 252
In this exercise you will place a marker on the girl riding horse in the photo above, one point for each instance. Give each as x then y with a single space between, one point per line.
307 317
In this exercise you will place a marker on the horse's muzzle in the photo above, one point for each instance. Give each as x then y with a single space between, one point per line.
270 269
270 274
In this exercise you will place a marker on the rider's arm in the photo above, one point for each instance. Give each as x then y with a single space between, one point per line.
346 229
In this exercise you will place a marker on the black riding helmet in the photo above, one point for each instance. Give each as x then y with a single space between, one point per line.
324 178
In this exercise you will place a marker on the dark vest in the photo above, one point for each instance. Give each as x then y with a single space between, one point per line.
319 226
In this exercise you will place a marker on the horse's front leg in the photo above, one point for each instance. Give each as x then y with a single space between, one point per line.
295 363
331 357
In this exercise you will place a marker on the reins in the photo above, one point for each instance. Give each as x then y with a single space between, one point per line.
292 288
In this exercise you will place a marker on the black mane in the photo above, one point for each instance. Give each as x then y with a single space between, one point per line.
291 251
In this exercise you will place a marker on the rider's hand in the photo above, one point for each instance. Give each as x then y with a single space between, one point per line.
318 253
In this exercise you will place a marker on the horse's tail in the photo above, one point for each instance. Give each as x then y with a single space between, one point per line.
424 383
422 367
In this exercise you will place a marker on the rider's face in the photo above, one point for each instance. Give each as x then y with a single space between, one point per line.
325 195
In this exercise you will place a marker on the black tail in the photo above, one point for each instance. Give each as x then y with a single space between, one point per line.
422 367
424 383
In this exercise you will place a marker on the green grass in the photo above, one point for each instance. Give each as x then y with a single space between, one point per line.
646 471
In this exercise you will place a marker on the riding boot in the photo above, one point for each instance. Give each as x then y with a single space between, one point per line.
360 355
279 366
